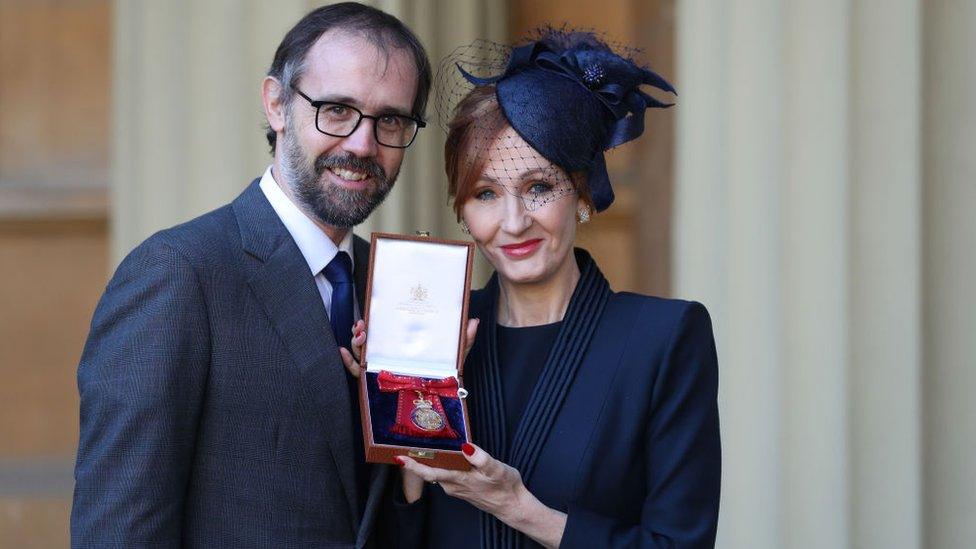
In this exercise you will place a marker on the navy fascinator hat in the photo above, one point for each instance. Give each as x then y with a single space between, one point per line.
566 93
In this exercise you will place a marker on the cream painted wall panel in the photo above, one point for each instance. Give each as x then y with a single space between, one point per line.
885 275
726 239
147 148
814 262
220 119
702 152
750 367
265 27
949 276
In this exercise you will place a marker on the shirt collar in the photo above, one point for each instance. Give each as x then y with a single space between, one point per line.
316 246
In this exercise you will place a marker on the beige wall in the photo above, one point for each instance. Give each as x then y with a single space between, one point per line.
53 271
54 103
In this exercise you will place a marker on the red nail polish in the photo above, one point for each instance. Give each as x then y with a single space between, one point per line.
467 449
398 460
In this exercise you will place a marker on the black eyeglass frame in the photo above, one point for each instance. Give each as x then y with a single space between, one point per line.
375 118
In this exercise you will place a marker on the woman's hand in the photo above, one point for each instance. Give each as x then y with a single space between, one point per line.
490 485
496 488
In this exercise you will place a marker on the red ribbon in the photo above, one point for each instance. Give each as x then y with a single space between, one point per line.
410 388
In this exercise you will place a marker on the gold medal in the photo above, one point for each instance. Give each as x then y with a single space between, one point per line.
424 416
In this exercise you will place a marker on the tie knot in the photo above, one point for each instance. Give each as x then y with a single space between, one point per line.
339 270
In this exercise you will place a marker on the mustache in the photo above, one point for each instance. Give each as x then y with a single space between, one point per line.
350 162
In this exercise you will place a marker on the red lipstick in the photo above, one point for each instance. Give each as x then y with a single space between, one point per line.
521 249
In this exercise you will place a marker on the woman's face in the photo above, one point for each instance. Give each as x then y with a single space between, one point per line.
522 214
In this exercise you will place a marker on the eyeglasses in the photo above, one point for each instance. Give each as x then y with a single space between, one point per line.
340 120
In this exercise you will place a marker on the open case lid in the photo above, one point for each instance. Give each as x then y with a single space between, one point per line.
417 305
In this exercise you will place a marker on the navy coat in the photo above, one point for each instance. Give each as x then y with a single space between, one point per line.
621 431
214 405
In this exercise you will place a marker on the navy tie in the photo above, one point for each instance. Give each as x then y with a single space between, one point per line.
339 273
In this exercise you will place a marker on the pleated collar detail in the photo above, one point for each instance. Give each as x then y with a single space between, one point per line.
484 379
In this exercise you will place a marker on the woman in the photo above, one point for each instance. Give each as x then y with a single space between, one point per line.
594 412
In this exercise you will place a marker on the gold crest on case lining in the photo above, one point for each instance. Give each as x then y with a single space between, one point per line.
418 293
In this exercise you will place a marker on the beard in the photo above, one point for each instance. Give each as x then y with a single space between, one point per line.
328 203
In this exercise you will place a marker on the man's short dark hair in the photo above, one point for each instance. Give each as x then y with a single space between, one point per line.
380 28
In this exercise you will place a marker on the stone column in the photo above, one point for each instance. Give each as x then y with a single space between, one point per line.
793 115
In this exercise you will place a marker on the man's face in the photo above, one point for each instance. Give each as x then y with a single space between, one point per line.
341 180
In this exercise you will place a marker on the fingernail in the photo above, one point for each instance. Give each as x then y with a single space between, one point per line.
467 449
398 460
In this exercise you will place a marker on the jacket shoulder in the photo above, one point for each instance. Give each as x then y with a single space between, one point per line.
200 241
665 317
650 307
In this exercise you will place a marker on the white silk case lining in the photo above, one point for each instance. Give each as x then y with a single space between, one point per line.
415 308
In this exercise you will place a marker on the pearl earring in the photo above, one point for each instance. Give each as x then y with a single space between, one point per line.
464 228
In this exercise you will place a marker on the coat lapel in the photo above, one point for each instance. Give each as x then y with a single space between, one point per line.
581 319
360 253
282 283
488 404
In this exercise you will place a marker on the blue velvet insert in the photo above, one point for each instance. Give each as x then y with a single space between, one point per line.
382 411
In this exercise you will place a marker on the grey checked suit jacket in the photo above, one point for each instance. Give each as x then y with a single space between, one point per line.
214 409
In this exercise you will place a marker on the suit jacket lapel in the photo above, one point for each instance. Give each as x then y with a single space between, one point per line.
360 252
281 281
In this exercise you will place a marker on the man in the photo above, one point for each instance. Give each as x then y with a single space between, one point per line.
215 408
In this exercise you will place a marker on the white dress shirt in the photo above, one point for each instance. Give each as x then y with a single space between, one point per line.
316 246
